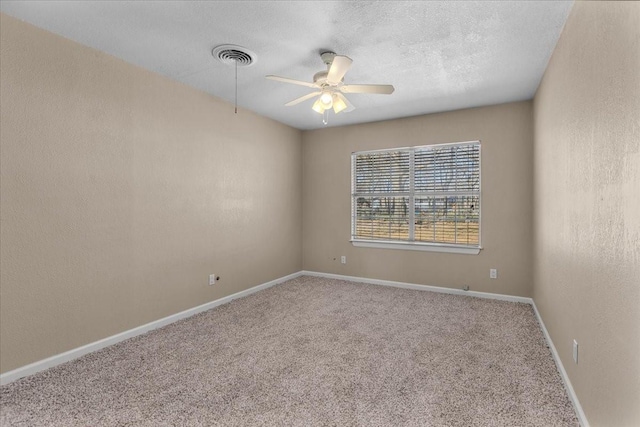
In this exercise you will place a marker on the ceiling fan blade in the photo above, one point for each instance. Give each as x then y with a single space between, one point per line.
293 81
339 68
377 89
302 98
344 99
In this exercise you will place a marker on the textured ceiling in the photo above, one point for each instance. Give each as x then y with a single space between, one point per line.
440 56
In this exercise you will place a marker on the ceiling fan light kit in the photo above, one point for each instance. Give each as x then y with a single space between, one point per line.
338 104
330 86
326 99
317 106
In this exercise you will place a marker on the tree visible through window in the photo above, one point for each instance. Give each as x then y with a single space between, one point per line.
426 195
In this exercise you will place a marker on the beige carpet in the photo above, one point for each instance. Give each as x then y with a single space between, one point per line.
313 352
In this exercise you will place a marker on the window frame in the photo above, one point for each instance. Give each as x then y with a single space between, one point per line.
411 194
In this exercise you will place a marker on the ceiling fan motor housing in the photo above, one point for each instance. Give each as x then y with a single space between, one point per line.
327 57
320 78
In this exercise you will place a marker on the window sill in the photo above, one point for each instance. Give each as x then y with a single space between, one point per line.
428 247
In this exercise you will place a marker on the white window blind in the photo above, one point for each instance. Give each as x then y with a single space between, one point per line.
427 195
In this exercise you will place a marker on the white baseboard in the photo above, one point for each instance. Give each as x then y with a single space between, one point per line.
582 418
67 356
414 286
97 345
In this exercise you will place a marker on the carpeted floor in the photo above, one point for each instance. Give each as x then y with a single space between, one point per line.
313 352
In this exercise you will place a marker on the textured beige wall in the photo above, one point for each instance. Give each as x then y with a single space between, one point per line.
506 135
122 191
587 207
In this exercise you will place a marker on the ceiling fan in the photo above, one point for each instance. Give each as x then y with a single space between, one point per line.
330 86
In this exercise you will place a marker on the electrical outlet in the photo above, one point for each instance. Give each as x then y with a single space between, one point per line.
493 273
343 259
212 279
575 351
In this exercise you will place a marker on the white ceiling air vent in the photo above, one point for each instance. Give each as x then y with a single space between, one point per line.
231 54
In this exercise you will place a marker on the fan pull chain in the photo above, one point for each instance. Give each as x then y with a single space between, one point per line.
325 117
236 98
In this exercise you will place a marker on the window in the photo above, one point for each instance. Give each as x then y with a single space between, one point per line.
421 198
